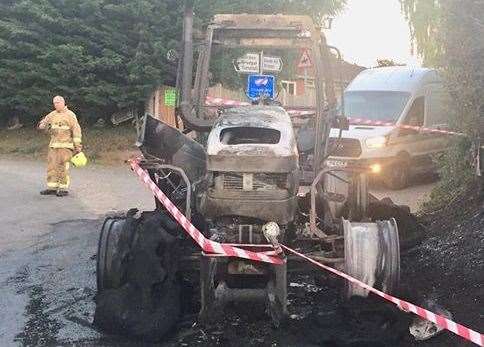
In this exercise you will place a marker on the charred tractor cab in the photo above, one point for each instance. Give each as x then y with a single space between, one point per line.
252 169
236 176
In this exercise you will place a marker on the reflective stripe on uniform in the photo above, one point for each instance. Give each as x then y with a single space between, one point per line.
60 127
52 185
62 145
77 140
65 186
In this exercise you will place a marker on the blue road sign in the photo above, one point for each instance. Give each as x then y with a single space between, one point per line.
259 85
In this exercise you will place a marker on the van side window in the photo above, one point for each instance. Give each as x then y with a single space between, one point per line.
415 116
438 101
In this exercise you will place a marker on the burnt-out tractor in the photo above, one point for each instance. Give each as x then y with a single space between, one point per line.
238 173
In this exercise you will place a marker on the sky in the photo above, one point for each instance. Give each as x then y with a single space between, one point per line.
372 29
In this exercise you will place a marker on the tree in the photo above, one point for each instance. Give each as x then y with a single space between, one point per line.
424 17
103 55
387 62
316 8
448 34
221 62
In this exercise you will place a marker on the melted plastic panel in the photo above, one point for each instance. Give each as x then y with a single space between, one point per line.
162 141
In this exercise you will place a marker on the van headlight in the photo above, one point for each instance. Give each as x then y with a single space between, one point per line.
376 142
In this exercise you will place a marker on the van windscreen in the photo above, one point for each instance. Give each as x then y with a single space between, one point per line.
375 105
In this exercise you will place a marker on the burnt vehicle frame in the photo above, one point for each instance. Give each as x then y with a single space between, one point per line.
265 189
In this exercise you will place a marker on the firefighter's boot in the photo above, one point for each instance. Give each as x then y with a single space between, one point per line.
48 192
62 192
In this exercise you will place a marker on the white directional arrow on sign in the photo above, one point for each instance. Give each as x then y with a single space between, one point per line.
273 64
248 63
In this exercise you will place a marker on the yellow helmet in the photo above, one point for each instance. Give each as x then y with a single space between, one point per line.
79 160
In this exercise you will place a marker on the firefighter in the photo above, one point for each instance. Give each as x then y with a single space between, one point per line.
65 140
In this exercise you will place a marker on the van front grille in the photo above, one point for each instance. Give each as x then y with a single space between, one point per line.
350 148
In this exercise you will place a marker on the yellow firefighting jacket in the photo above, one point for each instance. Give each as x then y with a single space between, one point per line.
63 128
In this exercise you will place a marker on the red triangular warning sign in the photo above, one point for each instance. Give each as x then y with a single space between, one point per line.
305 60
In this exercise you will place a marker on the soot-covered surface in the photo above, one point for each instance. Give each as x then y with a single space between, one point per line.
318 317
447 268
318 314
444 268
58 285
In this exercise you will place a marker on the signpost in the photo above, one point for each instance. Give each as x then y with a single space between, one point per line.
260 85
305 62
249 63
272 64
255 64
170 97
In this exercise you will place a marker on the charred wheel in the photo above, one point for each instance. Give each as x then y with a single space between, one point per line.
139 291
372 255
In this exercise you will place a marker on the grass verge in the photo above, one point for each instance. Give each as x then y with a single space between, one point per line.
110 145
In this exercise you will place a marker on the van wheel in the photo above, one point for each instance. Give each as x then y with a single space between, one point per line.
397 177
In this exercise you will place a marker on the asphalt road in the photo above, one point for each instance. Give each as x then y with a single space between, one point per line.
413 196
48 246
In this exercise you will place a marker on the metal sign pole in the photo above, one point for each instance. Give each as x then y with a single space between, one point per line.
261 63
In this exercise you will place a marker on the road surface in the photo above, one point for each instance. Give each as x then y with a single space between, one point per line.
413 196
48 246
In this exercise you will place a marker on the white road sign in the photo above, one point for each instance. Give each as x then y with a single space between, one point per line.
273 64
248 63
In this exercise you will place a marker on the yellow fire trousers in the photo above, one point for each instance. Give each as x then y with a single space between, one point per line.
58 160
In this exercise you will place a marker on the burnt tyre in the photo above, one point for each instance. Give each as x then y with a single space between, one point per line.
410 231
138 284
111 255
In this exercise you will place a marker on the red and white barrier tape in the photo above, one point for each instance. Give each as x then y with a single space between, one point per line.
364 121
205 244
210 246
456 328
213 101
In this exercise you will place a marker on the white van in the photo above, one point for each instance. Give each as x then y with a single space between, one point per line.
400 96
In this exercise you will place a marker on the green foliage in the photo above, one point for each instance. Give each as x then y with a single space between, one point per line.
425 18
316 8
449 34
221 61
101 54
387 62
103 145
456 175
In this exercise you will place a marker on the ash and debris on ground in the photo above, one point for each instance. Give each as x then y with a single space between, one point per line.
318 316
445 268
